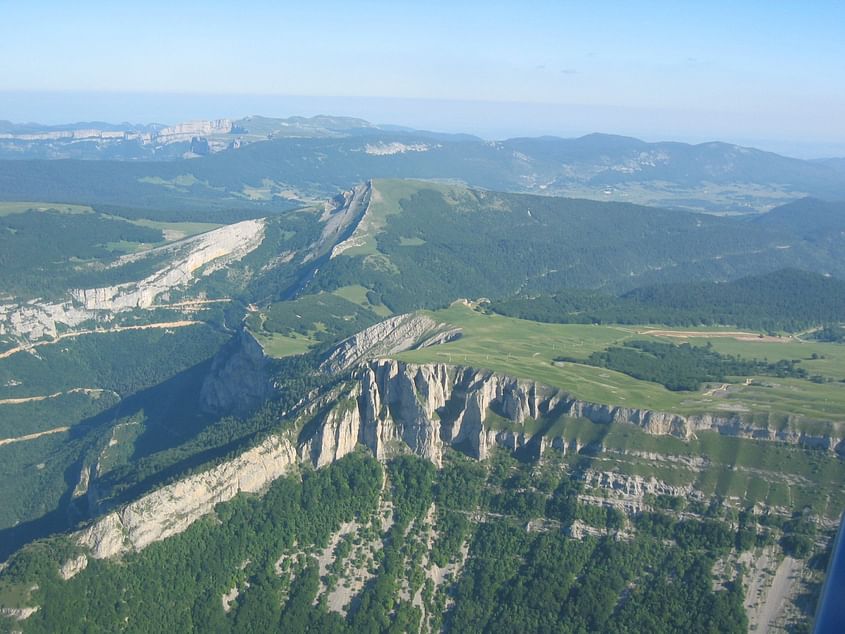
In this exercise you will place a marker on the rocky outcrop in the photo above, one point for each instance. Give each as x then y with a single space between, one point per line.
379 411
209 251
423 408
171 134
73 567
172 509
393 407
221 246
386 337
388 149
633 485
337 435
186 131
37 320
82 134
341 217
18 614
240 378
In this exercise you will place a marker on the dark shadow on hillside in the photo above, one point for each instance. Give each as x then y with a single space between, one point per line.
171 419
57 520
543 441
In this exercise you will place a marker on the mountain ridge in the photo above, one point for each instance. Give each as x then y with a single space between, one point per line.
315 156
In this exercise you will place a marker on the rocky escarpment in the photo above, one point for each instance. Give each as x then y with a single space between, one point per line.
179 132
209 251
393 335
37 320
221 246
392 407
391 404
172 509
18 614
240 377
190 129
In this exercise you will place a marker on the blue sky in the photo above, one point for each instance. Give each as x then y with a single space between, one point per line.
770 73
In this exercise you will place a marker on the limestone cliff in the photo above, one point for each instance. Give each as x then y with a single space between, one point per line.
173 508
239 379
392 407
423 408
221 246
179 132
186 131
393 335
206 252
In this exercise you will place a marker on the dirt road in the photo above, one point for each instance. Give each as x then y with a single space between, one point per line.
79 333
55 430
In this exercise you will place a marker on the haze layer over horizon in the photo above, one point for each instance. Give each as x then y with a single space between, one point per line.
655 70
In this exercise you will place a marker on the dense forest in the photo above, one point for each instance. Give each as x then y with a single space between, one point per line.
156 373
47 252
324 317
831 333
682 367
137 189
513 580
443 246
788 299
817 220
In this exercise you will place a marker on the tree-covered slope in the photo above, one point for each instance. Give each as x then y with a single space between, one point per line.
425 244
361 548
788 299
817 220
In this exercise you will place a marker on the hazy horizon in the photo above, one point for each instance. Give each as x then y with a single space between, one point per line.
488 120
754 73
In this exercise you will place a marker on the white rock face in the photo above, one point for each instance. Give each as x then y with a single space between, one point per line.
422 408
36 320
223 245
338 434
386 337
186 131
88 134
393 335
172 509
392 407
73 567
388 149
634 486
170 134
18 614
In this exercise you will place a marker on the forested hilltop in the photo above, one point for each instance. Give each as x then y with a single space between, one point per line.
426 244
786 300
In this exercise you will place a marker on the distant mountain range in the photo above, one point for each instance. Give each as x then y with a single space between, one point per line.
298 157
156 141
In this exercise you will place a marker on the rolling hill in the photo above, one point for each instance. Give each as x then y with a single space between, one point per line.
259 158
422 244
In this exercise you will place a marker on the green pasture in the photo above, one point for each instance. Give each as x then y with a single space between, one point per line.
526 349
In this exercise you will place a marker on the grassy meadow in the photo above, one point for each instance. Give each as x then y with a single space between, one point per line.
526 349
